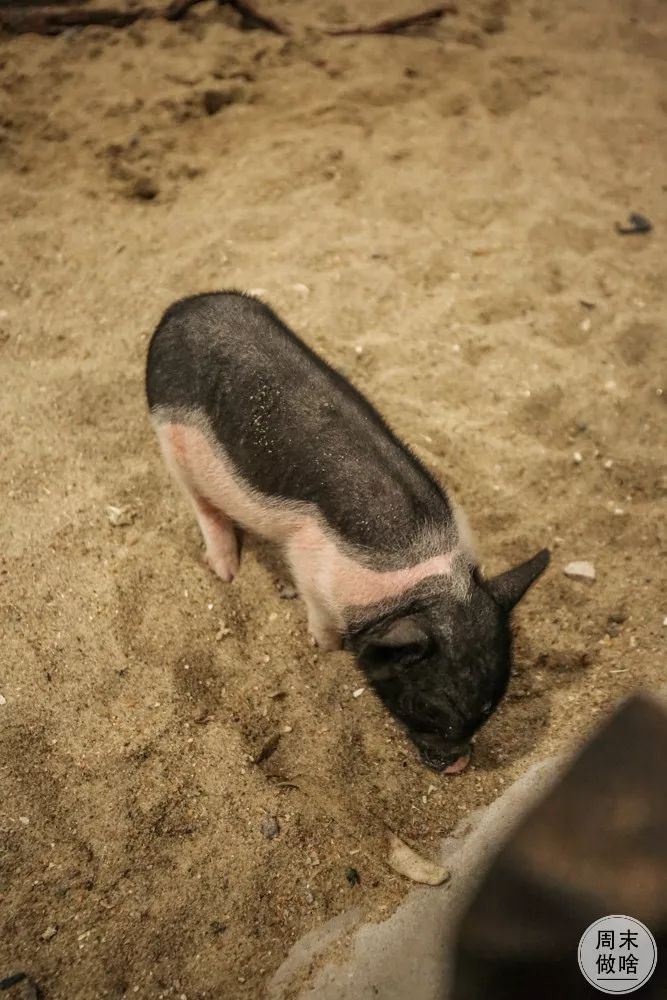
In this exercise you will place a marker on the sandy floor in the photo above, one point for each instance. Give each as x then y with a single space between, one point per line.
444 200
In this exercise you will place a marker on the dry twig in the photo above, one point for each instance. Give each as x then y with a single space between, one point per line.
21 16
394 25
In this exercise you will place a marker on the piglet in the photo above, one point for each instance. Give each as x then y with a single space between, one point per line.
265 437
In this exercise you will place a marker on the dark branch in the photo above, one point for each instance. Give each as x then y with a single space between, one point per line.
50 22
251 18
177 9
394 25
21 16
19 4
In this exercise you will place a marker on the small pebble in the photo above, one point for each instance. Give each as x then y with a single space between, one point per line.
608 463
49 933
580 570
270 827
358 350
577 458
3 700
145 188
353 876
24 820
358 693
214 100
119 516
664 622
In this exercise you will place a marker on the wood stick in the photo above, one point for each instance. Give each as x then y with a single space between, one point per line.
42 21
252 18
394 25
20 4
177 9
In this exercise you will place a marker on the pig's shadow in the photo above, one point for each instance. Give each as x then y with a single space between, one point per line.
270 558
526 710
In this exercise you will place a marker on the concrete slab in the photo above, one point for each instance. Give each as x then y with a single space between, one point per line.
407 957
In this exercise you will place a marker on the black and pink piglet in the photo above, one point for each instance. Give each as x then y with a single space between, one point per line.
265 437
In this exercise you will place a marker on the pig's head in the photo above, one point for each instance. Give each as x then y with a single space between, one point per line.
442 665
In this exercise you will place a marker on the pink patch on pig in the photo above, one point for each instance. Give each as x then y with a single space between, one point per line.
458 765
327 579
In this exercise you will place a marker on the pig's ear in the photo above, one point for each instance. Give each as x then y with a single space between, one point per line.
508 588
403 641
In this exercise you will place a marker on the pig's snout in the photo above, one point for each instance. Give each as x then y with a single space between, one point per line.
458 765
445 760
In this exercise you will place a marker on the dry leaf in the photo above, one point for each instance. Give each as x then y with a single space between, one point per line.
411 865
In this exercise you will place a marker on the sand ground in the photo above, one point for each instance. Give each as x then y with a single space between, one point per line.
443 200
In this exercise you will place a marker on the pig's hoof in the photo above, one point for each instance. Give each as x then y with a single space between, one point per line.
327 642
223 568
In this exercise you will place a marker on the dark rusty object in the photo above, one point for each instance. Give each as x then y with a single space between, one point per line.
45 21
394 25
40 17
638 225
596 845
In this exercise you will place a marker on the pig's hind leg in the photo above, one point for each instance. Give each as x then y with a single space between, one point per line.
221 536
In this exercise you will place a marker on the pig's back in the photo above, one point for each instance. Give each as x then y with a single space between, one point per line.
292 426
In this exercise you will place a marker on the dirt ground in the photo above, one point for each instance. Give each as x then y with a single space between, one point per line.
435 212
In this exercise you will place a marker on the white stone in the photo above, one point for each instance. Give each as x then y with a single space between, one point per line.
580 570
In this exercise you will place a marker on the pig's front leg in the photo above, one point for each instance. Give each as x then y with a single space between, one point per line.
322 629
306 562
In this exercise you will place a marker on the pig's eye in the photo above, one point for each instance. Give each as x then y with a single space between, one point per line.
401 656
407 655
